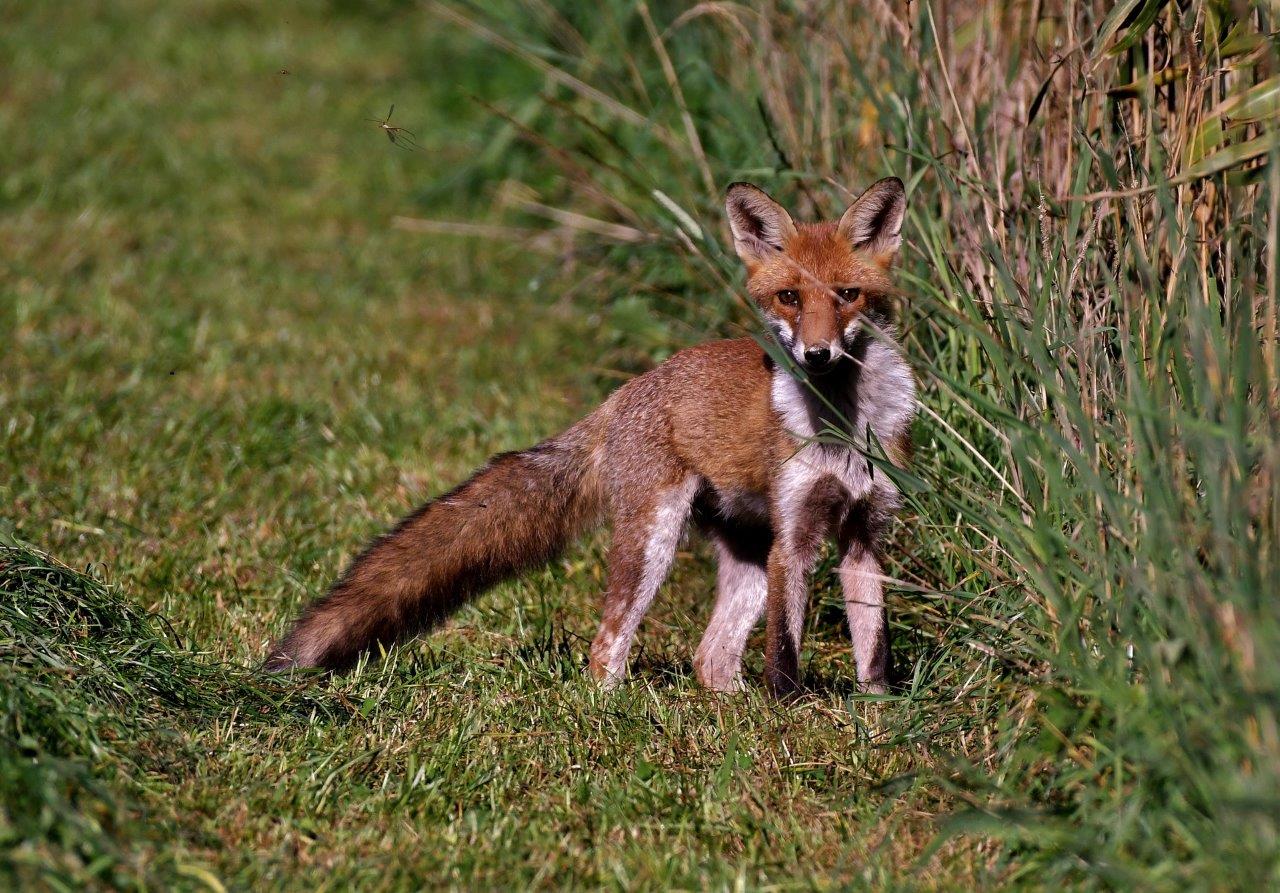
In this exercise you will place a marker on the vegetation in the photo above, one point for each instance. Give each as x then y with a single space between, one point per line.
244 331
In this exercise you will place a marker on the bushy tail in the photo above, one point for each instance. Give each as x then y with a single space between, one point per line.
516 512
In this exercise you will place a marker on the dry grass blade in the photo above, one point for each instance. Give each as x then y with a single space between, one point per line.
615 232
463 228
673 82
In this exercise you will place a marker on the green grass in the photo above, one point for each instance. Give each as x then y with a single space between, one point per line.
223 369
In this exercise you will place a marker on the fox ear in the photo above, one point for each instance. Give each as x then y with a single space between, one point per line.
873 223
760 225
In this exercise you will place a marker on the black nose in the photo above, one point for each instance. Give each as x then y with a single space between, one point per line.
817 356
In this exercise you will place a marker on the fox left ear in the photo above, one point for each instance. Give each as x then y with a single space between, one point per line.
760 225
873 223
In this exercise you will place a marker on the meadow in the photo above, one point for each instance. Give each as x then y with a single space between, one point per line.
243 331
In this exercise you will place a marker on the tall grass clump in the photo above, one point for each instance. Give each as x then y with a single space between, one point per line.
93 692
1087 572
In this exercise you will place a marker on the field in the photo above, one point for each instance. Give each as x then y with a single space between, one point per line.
243 331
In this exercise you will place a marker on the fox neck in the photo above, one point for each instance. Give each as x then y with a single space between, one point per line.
826 402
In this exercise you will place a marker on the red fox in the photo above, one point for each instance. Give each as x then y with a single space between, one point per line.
721 434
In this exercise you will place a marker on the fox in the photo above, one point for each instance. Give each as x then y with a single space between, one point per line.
727 436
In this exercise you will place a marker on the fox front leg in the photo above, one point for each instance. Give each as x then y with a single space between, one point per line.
785 607
860 578
811 508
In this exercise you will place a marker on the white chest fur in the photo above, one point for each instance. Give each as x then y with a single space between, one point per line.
877 393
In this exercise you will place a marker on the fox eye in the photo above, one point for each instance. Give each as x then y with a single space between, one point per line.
848 294
788 297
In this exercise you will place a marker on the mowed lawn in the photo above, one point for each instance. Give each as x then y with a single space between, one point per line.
224 369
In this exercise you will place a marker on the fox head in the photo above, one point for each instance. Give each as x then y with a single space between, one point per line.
816 283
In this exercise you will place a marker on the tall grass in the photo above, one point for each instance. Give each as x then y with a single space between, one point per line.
1088 564
91 690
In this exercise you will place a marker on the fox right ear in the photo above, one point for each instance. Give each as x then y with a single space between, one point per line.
760 225
873 223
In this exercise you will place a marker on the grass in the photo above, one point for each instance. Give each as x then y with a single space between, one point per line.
225 369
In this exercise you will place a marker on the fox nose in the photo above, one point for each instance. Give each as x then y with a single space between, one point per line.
817 356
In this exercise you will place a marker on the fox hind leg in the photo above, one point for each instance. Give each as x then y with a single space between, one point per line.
643 549
741 589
